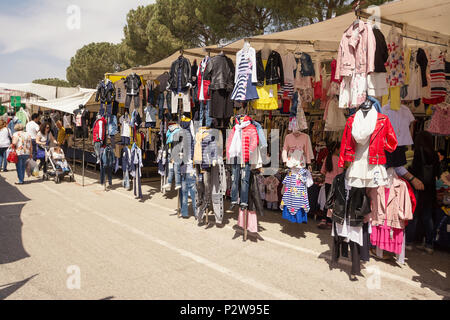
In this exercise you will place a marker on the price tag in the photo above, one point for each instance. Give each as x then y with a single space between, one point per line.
170 165
271 93
448 227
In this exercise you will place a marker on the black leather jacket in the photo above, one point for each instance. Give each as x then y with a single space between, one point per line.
273 74
354 209
174 82
132 84
105 92
220 70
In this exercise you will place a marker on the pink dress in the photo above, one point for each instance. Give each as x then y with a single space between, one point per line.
440 120
252 222
387 238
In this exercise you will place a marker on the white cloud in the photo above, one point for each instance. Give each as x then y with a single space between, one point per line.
43 25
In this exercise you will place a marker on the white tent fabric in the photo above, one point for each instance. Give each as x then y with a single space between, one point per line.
43 91
68 104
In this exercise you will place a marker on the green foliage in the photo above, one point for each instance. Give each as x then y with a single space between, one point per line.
92 61
53 82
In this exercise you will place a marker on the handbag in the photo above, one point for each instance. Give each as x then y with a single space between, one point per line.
12 155
40 153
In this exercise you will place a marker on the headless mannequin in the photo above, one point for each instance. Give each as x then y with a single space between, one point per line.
282 49
266 51
246 47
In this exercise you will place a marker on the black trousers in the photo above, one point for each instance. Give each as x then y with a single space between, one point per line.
340 247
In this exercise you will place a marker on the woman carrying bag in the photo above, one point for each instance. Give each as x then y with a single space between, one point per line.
5 142
43 140
21 144
425 167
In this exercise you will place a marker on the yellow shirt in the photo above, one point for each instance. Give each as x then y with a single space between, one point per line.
61 135
268 96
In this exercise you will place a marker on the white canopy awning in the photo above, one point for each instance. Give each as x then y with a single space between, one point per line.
43 91
67 104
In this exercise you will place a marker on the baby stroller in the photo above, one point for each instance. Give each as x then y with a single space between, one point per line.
57 165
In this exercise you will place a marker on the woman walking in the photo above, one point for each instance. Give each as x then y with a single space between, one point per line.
22 144
5 142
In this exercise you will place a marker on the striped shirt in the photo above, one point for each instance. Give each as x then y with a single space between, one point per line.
295 194
437 83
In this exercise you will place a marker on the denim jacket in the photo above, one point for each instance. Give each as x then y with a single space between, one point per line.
307 65
112 126
108 157
261 135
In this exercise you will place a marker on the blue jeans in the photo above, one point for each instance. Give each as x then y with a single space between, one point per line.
188 188
426 216
20 167
126 179
204 113
3 159
174 171
241 174
105 171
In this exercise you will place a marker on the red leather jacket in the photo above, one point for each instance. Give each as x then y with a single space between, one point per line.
99 132
382 139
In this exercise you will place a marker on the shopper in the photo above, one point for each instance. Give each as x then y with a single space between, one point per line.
32 129
425 167
5 142
61 133
43 140
330 169
22 143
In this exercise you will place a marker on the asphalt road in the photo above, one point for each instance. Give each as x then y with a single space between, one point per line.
66 241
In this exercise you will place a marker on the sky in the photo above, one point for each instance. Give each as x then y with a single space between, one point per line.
38 37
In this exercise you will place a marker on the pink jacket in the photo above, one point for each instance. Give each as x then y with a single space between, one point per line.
356 52
398 208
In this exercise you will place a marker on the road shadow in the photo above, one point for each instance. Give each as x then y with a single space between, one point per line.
11 206
8 289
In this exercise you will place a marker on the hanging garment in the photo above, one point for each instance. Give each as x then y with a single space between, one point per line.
295 197
377 85
391 207
401 121
211 188
271 183
202 84
188 189
361 174
382 139
242 140
395 64
136 167
353 90
437 82
356 53
440 120
334 117
415 78
245 76
267 95
299 141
